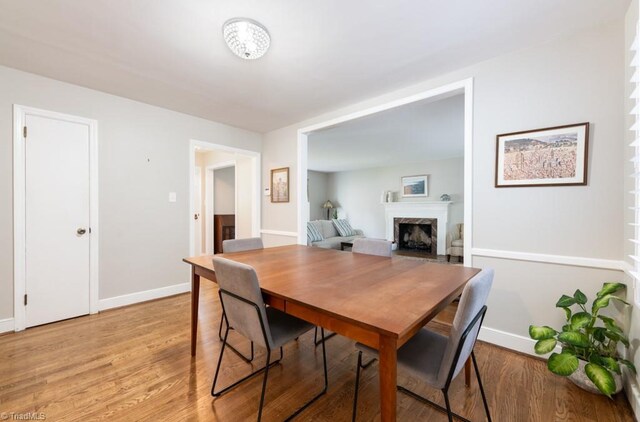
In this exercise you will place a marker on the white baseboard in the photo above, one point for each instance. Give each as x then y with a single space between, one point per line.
511 341
130 299
7 325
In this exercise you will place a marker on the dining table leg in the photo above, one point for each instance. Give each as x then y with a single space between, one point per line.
195 296
388 369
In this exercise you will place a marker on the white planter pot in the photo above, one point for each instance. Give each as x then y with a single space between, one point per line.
580 378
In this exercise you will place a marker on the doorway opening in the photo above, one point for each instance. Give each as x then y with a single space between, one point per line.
225 195
390 198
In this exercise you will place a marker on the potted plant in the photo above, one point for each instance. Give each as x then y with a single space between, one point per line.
589 342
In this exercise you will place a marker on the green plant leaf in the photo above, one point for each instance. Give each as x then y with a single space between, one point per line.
628 364
545 346
563 364
603 302
598 334
580 320
566 328
580 297
606 319
565 301
541 333
574 339
595 358
601 378
567 312
615 336
609 288
610 363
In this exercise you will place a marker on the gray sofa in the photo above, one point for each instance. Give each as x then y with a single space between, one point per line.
331 237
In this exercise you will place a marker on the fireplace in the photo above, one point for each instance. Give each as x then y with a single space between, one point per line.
417 236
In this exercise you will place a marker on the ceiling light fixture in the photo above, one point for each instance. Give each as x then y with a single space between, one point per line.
247 38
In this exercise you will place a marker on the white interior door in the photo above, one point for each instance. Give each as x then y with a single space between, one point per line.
197 206
57 220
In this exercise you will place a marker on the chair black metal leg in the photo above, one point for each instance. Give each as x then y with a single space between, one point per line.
323 338
326 382
355 396
446 410
446 401
240 381
484 398
223 318
264 384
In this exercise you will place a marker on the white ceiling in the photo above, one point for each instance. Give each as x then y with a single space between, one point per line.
324 54
416 132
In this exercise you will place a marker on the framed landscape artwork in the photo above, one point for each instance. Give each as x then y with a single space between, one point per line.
280 185
555 156
414 186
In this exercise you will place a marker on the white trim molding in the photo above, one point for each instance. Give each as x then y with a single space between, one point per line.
19 207
256 165
7 325
464 86
575 261
511 341
133 298
279 233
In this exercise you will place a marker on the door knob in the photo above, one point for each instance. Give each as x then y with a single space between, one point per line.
81 231
196 216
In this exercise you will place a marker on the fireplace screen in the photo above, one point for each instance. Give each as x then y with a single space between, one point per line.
416 235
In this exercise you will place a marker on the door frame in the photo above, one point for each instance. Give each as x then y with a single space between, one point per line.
256 168
464 86
209 197
19 208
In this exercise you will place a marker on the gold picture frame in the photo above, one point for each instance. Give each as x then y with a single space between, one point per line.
280 185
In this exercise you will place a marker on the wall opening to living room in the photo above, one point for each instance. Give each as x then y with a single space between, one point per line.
399 172
224 196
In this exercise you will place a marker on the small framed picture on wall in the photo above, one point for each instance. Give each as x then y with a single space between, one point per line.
280 185
415 186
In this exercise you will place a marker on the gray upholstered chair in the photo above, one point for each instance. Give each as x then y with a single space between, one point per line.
239 245
372 247
436 359
246 312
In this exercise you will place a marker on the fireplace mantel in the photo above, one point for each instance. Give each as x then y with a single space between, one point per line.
424 209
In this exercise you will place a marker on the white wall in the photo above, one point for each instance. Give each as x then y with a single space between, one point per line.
143 155
566 81
224 186
357 193
318 194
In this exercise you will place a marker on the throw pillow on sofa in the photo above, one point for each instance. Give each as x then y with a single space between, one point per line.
313 234
343 227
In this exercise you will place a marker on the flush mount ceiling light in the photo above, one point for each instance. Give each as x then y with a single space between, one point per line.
247 38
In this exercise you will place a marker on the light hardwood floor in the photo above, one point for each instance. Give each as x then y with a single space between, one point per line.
134 364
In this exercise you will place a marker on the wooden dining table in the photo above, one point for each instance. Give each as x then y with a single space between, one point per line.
378 301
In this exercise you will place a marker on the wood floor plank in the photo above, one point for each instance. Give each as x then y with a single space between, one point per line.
134 363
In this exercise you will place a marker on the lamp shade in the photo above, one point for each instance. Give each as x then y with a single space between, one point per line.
327 204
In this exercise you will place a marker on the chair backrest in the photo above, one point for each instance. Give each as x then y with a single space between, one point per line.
372 247
468 319
239 245
241 299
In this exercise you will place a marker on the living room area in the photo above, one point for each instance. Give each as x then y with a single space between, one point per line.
396 175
